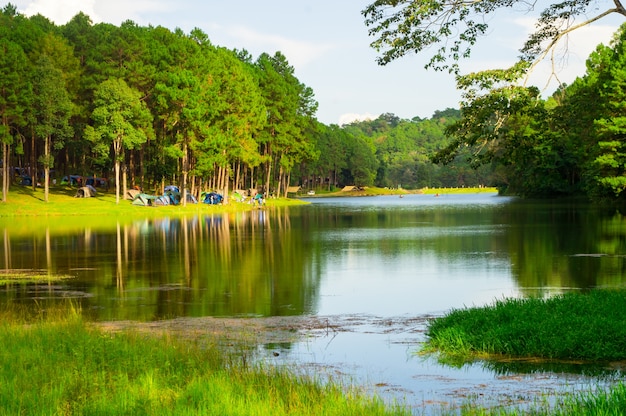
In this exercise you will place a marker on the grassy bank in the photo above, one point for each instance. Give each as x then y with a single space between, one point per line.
572 327
457 191
374 191
23 201
63 367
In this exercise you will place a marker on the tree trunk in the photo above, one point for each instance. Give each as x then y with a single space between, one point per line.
46 168
5 171
124 180
33 160
117 181
268 175
288 182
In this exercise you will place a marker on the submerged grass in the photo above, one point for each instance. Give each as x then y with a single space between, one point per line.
606 403
573 327
61 366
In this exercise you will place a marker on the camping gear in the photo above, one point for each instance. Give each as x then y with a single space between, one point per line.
131 194
161 200
176 197
211 198
85 192
144 200
173 195
258 198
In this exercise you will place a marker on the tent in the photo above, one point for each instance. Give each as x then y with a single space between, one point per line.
161 200
131 194
144 200
172 188
176 197
211 198
85 192
173 196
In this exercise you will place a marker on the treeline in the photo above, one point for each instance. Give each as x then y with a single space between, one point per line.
573 143
147 106
393 152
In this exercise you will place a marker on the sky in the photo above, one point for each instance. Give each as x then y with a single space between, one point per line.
327 43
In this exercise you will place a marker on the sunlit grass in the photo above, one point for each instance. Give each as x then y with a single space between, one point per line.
468 190
61 365
23 201
574 326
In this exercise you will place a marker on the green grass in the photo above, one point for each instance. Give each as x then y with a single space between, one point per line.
574 326
23 201
63 366
469 190
374 191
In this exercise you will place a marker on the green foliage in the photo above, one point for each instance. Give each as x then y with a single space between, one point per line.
121 120
222 118
451 29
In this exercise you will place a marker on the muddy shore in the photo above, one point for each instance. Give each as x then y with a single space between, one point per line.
266 330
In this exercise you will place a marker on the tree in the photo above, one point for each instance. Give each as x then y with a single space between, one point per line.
453 27
14 96
51 113
607 75
121 120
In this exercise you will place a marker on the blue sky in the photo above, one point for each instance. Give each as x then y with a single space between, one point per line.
326 42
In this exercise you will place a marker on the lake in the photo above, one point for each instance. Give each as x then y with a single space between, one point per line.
376 268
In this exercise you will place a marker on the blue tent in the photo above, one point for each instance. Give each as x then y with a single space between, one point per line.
211 198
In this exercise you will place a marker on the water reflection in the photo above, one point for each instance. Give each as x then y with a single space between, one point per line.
379 257
217 264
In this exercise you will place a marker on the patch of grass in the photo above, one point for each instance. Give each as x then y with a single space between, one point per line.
574 326
64 366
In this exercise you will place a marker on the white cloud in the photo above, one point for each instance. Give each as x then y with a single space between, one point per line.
351 117
60 11
110 11
298 53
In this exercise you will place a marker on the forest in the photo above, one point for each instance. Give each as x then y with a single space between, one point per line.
148 106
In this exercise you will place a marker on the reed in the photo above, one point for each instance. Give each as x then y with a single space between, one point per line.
60 365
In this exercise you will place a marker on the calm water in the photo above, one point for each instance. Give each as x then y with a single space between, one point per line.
373 260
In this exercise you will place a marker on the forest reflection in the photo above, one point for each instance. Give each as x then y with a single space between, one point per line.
246 263
413 255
